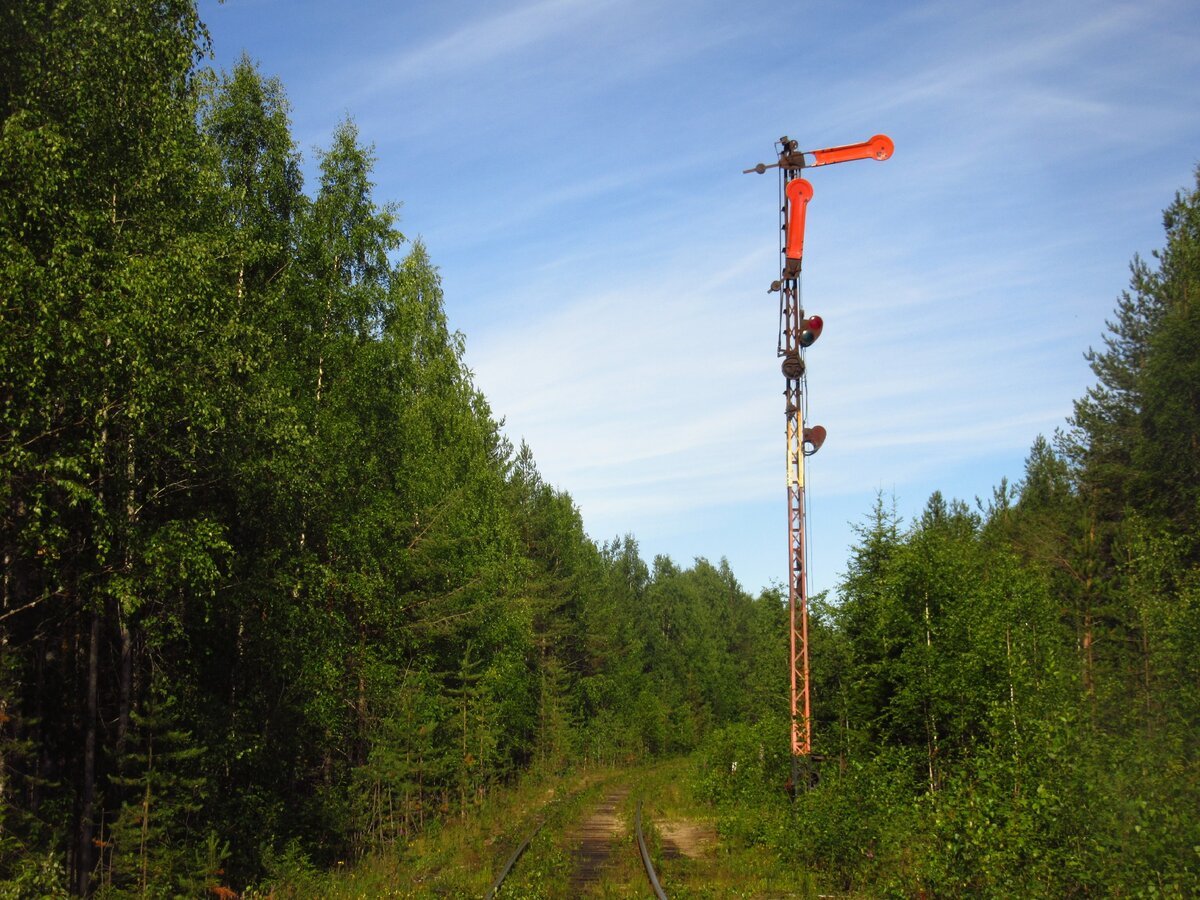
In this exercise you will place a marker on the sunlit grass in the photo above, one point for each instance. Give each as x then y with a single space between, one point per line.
728 867
462 856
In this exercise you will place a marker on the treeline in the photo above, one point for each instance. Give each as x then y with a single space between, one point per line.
1009 694
274 585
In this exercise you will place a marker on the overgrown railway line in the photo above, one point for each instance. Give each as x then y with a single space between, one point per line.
599 838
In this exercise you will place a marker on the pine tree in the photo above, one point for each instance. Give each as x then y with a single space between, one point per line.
1134 438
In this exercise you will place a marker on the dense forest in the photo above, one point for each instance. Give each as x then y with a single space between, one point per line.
276 586
273 580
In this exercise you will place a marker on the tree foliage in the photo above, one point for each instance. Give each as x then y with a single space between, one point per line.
274 584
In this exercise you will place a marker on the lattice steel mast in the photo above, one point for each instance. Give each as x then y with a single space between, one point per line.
796 334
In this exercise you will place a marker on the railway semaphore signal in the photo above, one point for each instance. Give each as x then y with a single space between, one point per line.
796 334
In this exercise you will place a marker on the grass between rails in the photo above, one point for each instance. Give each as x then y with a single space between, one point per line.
544 871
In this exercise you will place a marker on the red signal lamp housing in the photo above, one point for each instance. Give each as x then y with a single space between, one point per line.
811 330
814 437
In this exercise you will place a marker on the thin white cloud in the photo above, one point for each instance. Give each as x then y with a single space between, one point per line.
488 39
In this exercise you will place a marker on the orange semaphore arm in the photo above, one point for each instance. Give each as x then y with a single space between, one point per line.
798 192
879 147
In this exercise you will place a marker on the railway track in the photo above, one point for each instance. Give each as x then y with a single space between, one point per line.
647 863
598 833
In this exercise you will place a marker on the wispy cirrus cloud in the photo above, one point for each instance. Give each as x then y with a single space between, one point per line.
575 168
490 38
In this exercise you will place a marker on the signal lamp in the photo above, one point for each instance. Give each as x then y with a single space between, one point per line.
813 438
811 330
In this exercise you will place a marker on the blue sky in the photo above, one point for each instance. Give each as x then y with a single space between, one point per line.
574 167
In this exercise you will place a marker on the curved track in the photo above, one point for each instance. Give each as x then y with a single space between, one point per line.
647 863
597 832
512 860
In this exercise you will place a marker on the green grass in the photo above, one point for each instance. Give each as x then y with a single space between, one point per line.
461 857
732 867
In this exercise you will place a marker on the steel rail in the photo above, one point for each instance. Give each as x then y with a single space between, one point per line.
658 891
512 861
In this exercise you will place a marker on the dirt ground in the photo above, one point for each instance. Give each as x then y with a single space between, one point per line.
683 837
